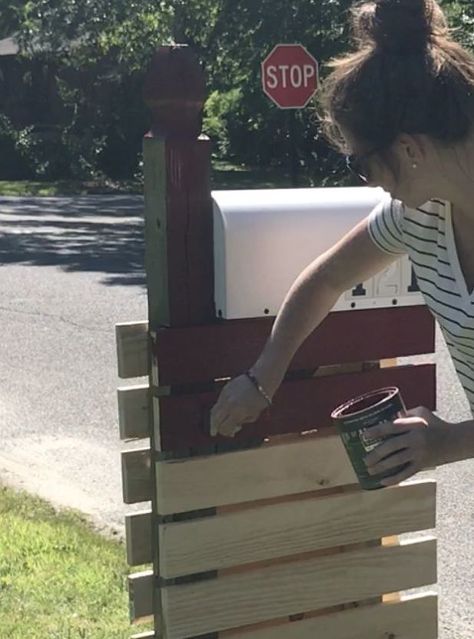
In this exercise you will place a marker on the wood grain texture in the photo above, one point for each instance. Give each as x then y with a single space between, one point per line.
136 475
179 231
138 534
133 411
415 617
310 584
298 405
306 465
177 537
140 590
156 231
196 354
132 349
273 531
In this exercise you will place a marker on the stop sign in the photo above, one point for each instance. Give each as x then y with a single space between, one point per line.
290 76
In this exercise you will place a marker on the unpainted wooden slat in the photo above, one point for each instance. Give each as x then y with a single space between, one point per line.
307 464
272 531
415 617
136 475
140 590
138 533
285 589
132 349
133 411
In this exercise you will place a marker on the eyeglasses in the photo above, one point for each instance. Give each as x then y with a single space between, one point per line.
357 164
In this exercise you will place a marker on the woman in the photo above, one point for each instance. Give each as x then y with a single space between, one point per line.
402 108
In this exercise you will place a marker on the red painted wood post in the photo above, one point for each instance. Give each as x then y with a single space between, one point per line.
178 223
177 159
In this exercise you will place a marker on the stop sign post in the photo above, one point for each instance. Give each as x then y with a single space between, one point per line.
290 76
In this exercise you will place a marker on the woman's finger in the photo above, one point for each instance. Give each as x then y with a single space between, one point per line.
392 462
407 472
228 426
217 418
387 447
387 429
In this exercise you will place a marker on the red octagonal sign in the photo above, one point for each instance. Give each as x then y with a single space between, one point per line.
290 76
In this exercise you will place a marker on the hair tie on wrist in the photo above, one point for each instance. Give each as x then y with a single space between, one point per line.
257 385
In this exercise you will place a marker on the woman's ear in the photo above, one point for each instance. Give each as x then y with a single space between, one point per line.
411 148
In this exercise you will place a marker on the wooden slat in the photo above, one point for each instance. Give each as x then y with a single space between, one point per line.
138 533
310 584
132 349
133 404
200 353
194 354
140 589
138 538
300 405
415 617
136 475
145 635
306 465
133 411
262 533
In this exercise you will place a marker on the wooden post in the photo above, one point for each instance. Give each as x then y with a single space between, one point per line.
178 207
178 220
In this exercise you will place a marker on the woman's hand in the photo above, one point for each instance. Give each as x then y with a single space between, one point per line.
239 402
420 445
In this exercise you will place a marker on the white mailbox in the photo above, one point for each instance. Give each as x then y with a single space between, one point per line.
263 239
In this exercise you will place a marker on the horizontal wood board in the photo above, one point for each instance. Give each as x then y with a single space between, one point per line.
260 595
294 527
308 464
298 405
415 617
199 353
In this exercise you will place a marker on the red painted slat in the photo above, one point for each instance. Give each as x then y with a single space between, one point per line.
202 353
298 405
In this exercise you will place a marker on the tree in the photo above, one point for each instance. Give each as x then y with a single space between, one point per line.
101 51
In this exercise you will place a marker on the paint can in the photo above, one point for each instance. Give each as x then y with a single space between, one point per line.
354 417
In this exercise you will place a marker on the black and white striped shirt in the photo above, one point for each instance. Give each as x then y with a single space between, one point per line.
426 235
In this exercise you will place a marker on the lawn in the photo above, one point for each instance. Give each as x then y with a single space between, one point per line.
224 176
58 578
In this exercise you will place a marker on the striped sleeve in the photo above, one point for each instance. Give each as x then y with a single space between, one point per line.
385 225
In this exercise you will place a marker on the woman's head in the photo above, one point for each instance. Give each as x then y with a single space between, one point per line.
403 102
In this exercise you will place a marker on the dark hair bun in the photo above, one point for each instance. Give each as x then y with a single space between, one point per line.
399 26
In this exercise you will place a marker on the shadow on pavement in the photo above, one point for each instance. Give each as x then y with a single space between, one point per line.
97 233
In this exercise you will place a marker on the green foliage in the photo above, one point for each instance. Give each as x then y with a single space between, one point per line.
101 51
221 114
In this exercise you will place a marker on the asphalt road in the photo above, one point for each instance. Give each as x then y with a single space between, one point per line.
72 268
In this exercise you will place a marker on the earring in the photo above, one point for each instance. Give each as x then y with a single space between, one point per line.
414 165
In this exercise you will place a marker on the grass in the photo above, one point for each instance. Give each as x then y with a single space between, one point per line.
27 188
58 578
224 176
